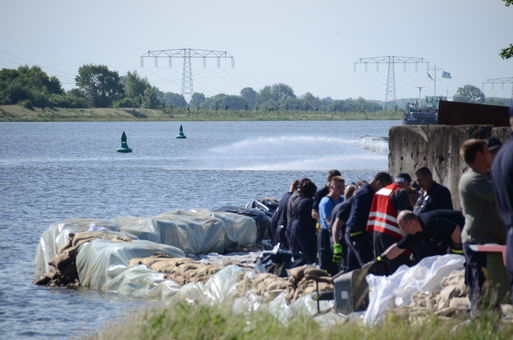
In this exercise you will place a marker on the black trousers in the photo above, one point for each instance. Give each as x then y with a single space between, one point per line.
475 262
509 260
305 242
325 253
359 250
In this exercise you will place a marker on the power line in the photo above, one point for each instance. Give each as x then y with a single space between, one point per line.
187 54
390 61
501 81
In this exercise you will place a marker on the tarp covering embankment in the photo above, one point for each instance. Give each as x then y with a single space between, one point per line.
165 257
191 231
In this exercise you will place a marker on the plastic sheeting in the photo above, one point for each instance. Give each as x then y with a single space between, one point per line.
222 288
194 231
396 290
103 265
57 235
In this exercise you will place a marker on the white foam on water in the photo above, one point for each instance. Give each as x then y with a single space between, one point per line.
295 152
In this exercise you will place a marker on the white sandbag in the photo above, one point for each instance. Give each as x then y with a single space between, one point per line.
396 290
103 265
195 231
57 235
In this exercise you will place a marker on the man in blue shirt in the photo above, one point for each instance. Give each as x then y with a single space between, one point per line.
358 240
328 202
502 177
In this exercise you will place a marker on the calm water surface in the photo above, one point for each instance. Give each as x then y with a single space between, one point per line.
54 171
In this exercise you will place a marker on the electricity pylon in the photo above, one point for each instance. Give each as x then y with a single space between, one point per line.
187 54
391 61
502 81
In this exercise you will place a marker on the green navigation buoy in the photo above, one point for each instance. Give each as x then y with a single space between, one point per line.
124 146
180 134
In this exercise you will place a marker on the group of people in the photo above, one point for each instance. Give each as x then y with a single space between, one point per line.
393 221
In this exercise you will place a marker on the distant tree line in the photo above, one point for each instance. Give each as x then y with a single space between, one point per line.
97 86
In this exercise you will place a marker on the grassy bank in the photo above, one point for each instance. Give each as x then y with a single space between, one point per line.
16 113
199 322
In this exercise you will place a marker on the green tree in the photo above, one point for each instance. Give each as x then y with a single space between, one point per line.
100 84
274 93
469 94
29 84
197 100
77 98
226 102
134 87
173 99
150 98
250 96
310 102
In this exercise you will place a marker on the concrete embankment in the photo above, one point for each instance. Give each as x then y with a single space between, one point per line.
436 147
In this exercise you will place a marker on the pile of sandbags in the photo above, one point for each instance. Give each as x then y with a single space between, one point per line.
451 300
301 281
182 270
306 280
266 285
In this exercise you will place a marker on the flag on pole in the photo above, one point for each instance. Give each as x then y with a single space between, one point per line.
446 75
429 76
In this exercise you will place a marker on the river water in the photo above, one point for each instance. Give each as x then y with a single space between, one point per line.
54 171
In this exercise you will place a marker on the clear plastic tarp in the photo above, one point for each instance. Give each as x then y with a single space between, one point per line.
57 235
195 232
396 290
103 265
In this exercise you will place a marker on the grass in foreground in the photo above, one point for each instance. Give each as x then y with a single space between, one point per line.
183 321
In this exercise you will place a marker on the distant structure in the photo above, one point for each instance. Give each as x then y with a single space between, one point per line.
501 81
435 69
390 61
187 54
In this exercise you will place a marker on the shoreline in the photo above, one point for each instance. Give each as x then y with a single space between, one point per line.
17 113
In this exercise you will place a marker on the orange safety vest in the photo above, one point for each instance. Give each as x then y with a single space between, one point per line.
383 215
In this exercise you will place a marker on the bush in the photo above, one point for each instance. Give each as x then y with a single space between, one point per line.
27 103
126 103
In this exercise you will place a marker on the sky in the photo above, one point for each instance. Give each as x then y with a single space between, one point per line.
311 46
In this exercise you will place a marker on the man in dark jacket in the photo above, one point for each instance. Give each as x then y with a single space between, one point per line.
432 195
358 240
432 233
279 219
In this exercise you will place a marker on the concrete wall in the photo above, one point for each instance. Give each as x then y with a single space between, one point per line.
436 147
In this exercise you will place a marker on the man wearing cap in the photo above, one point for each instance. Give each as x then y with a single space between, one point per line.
502 176
382 222
494 145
